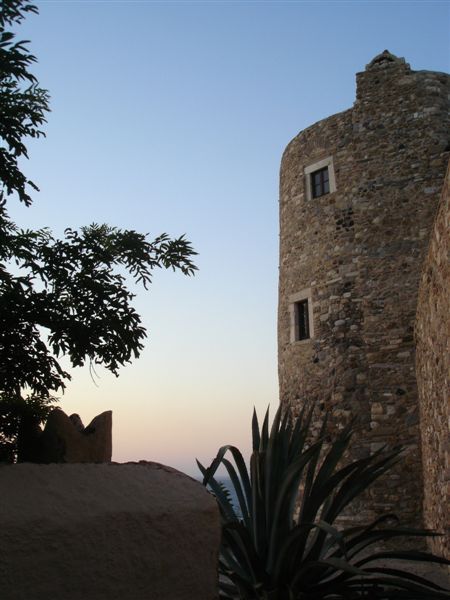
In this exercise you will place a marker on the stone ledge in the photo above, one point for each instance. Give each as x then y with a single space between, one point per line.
129 531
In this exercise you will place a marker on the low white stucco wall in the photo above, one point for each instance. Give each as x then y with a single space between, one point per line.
106 532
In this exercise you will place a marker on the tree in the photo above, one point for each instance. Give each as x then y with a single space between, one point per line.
58 296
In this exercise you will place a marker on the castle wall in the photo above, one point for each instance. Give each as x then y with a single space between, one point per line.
433 377
357 251
133 531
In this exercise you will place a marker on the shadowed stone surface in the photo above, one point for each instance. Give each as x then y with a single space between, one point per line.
65 439
105 532
433 377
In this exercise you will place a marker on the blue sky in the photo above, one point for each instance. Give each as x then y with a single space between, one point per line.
172 116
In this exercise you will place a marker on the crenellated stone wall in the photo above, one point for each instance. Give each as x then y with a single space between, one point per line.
65 439
356 253
433 374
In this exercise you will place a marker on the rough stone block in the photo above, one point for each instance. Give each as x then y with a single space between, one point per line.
106 532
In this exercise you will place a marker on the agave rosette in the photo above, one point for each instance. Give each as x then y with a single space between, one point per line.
281 540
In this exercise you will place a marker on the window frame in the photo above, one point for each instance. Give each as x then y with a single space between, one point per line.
310 170
320 185
302 298
301 309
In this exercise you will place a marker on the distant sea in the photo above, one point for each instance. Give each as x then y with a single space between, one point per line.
226 481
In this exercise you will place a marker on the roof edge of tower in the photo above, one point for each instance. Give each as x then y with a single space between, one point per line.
385 59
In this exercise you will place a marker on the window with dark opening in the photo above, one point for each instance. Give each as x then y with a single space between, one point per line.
320 183
302 320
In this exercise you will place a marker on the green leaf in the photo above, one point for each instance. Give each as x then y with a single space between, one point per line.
268 554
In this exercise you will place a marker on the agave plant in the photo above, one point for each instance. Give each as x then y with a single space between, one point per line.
281 541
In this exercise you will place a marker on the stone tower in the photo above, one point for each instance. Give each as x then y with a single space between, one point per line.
358 195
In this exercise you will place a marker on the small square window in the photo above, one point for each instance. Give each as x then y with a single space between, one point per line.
320 182
319 179
301 316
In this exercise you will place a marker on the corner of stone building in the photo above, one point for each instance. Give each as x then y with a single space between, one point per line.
432 330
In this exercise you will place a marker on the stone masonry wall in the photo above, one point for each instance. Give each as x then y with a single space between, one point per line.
359 250
433 377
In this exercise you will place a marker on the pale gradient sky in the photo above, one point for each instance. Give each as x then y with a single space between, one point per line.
172 116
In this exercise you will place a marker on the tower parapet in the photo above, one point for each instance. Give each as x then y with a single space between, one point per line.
358 194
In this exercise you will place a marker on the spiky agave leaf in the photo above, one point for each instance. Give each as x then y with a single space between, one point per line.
222 495
267 553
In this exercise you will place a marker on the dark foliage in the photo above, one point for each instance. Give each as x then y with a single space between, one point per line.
59 296
286 545
69 289
19 419
23 104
